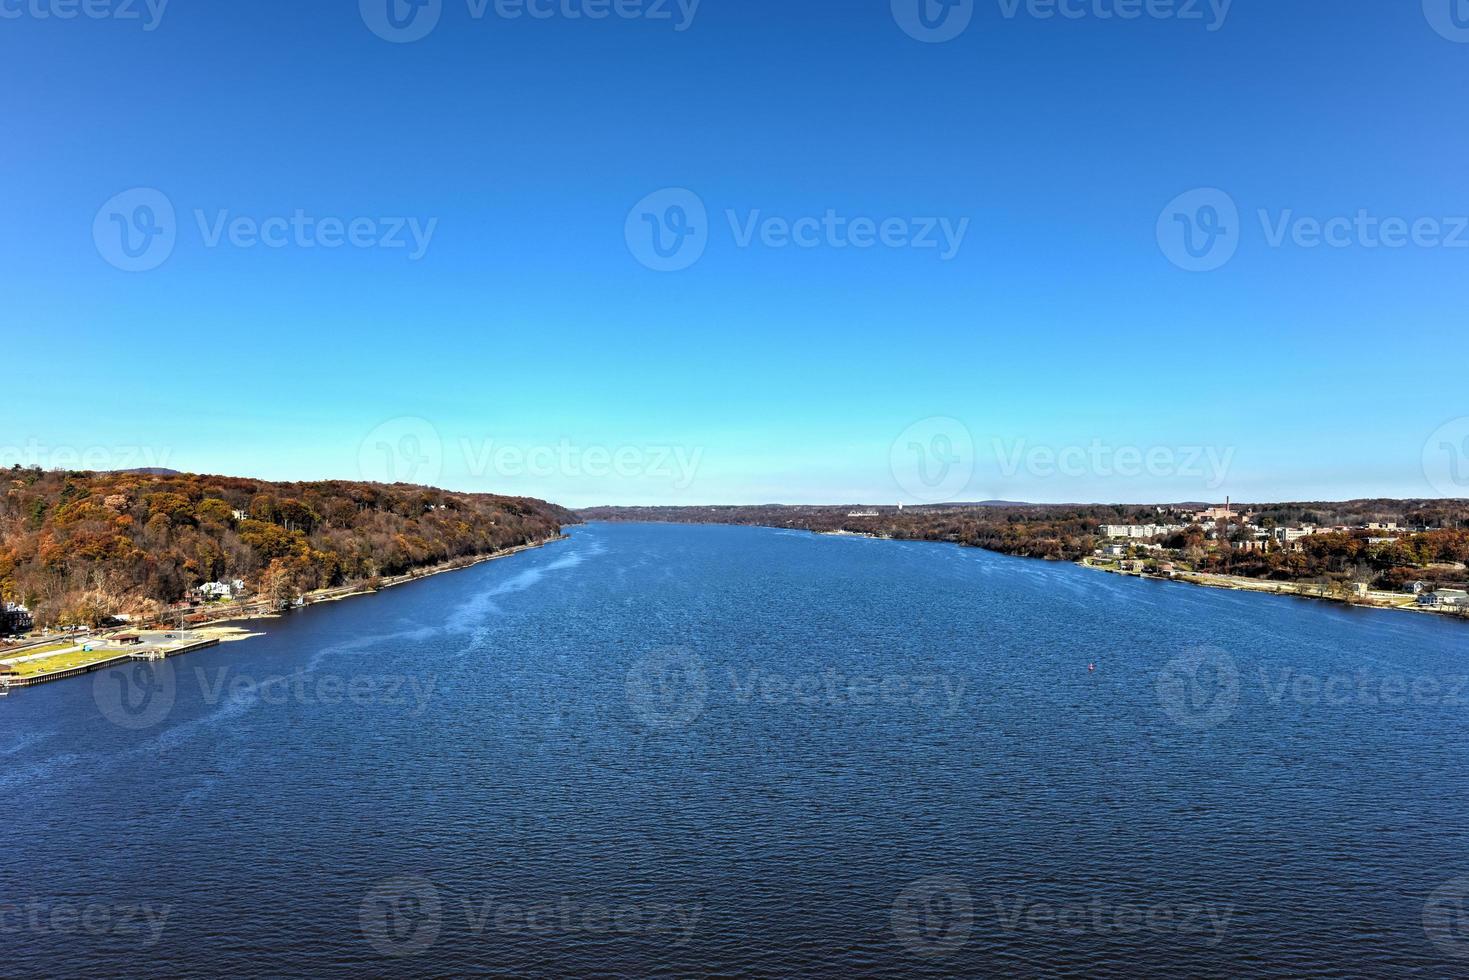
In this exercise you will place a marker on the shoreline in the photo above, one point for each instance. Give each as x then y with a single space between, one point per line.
211 632
340 592
1299 590
1232 583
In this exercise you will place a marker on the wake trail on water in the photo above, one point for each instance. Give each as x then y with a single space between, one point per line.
468 617
238 699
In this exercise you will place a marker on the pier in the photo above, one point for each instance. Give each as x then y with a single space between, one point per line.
108 659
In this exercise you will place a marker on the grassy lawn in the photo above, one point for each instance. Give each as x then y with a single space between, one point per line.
32 651
64 661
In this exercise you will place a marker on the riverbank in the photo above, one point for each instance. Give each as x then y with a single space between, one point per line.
243 612
62 660
1303 590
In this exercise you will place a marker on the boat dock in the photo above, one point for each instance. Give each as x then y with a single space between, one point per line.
108 659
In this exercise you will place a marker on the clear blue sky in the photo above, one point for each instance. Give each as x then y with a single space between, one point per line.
1062 322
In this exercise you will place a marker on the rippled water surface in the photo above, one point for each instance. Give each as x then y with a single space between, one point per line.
690 750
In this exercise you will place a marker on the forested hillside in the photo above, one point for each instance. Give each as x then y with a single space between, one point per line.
75 547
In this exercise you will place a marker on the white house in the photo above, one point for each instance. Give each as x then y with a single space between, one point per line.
221 590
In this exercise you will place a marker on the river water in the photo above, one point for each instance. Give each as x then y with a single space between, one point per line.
685 750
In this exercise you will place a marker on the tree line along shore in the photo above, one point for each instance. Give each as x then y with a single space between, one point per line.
90 549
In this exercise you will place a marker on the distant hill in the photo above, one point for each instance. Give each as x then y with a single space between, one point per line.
76 547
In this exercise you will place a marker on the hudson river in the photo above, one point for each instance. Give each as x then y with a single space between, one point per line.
683 750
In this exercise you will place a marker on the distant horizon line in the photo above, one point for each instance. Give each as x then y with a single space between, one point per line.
906 505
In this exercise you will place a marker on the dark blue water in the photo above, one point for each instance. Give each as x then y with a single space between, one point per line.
687 750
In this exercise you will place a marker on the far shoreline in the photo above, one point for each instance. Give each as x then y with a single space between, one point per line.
1227 583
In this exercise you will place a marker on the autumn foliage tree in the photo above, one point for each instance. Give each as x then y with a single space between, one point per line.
76 547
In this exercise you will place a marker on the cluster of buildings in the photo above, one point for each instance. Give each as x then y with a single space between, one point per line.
1225 522
1126 540
15 618
1140 532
